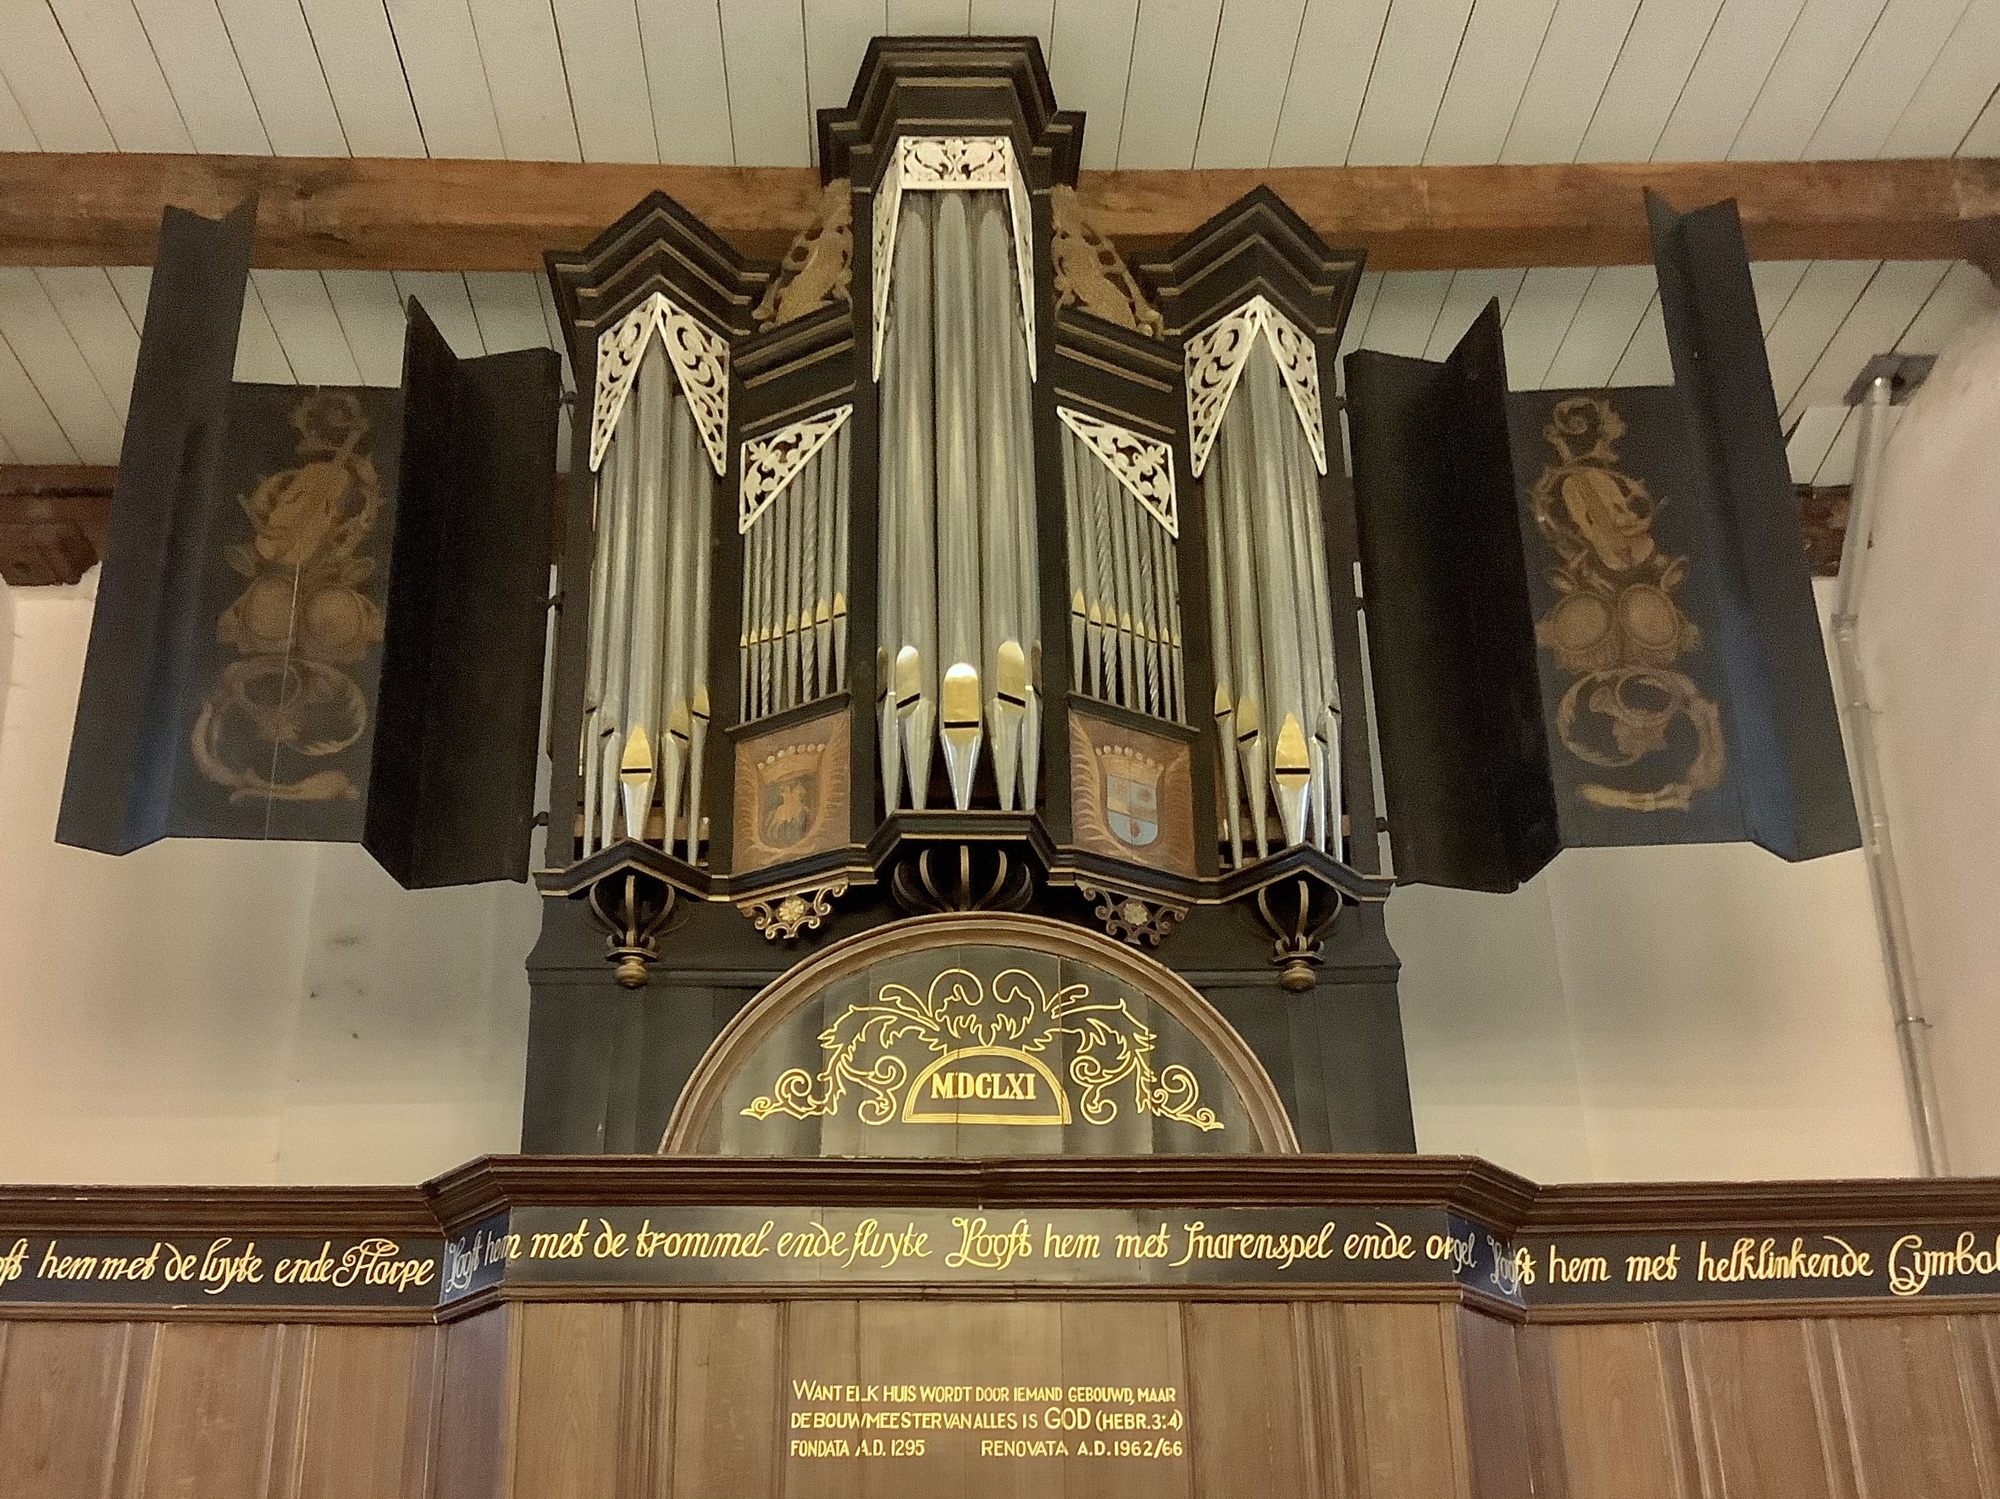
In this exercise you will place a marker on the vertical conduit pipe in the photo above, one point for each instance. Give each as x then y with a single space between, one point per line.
1858 718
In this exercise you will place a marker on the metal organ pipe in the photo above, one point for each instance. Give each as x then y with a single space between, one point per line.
959 598
793 639
1125 612
1271 606
646 677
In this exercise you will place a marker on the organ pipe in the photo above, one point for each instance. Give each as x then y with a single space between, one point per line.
959 611
792 644
1125 634
1277 696
646 708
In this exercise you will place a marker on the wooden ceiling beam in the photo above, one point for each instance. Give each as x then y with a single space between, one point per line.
425 214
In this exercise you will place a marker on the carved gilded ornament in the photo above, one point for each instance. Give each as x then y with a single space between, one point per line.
927 163
818 270
1215 360
786 915
701 362
890 1048
1143 466
1617 625
1090 273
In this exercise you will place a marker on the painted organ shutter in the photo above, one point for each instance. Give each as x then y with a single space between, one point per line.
317 620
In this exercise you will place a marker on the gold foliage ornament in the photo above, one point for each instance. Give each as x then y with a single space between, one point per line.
1617 625
869 1047
302 616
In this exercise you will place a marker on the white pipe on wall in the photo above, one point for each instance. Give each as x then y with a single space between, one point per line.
1858 719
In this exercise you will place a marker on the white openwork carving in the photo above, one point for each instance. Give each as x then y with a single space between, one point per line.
1215 360
1143 466
700 359
772 461
947 163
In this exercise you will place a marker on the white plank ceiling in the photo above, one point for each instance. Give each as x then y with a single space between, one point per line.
1165 83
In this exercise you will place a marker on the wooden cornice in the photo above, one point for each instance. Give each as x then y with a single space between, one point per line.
273 1211
1464 1184
433 214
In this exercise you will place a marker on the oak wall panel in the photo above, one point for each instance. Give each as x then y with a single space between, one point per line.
1620 1435
567 1437
727 1411
1499 1447
1246 1423
212 1396
365 1412
1910 1424
1409 1419
61 1388
1763 1424
477 1387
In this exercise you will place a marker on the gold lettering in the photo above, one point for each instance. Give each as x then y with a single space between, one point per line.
1581 1269
1651 1267
12 1262
1911 1265
985 1249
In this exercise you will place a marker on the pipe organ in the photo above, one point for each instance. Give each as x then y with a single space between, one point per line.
1123 530
792 516
1024 553
954 564
655 445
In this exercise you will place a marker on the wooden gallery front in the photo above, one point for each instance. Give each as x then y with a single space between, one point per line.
991 676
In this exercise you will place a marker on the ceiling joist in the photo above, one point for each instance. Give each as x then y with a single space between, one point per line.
435 214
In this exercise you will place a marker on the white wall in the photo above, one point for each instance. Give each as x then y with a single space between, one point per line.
1650 1013
1930 635
231 1012
234 1012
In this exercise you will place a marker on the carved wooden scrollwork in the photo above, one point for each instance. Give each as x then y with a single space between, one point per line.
818 270
1091 274
701 363
786 914
1133 918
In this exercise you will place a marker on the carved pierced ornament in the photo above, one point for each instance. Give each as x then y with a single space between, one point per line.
1091 274
819 267
701 362
953 163
1215 360
772 461
1145 467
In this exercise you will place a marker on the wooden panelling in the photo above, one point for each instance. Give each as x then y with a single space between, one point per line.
727 1410
1247 1425
1122 1343
1500 1450
1909 1422
475 1407
214 1410
1404 1416
1619 1437
572 1356
61 1389
1761 1426
690 1400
